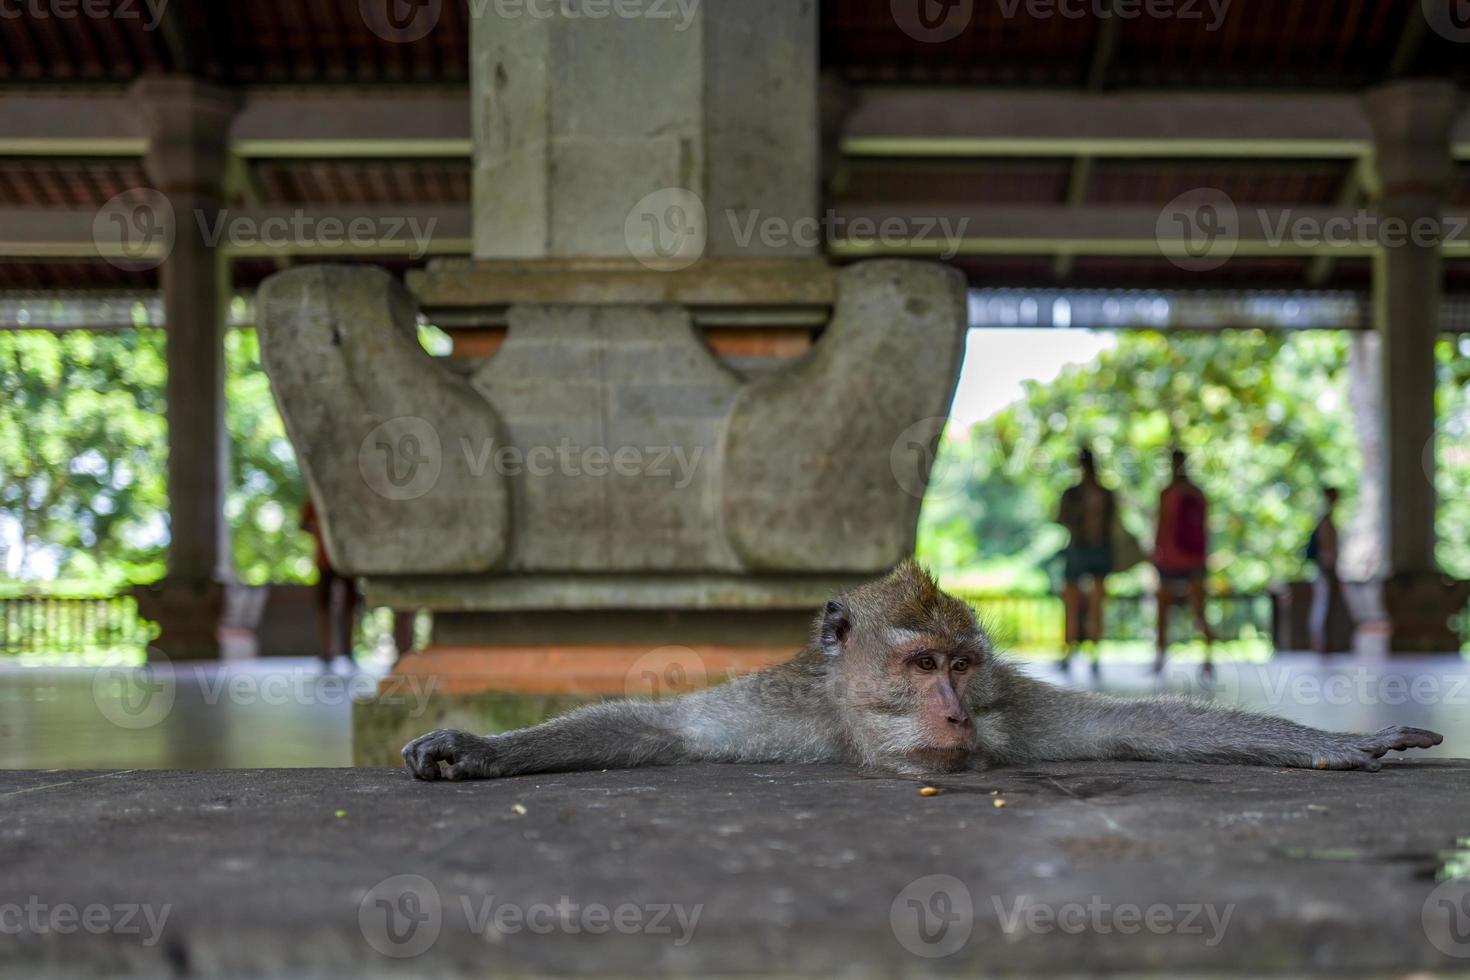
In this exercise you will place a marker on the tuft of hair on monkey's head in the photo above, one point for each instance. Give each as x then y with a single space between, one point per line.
907 598
910 599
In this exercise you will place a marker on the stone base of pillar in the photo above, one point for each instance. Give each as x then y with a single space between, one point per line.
201 620
1409 613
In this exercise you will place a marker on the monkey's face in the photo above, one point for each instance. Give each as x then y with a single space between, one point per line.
926 680
905 655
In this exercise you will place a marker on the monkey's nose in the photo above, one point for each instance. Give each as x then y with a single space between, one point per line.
962 720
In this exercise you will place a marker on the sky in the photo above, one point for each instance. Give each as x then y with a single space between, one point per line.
997 360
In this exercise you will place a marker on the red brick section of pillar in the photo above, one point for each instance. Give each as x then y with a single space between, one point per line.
188 128
1411 126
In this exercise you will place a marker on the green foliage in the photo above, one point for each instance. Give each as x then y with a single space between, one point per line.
84 455
83 450
1452 457
1264 417
267 493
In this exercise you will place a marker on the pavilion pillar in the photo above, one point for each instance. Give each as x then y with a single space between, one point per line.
1411 125
712 125
188 128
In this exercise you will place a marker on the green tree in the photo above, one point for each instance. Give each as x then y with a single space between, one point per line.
83 448
267 492
1264 417
83 463
1452 457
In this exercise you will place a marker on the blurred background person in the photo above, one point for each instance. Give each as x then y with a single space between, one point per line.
1328 623
1088 511
336 594
1181 548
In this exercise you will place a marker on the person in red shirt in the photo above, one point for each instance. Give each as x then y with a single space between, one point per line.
1181 549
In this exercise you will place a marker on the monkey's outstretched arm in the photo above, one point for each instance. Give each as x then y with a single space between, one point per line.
614 735
751 719
1039 722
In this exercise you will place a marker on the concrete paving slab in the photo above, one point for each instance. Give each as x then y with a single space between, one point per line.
735 869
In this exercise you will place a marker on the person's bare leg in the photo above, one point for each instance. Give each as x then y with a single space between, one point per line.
1072 601
1165 600
1095 599
1197 604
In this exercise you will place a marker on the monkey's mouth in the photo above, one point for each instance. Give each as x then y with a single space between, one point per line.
942 758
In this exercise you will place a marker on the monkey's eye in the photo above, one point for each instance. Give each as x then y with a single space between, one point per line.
926 663
960 666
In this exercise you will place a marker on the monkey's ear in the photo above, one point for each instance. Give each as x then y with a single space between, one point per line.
836 624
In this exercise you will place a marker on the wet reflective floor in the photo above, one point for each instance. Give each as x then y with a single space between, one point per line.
281 712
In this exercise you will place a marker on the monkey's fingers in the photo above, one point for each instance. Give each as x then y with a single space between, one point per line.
422 756
1397 738
465 756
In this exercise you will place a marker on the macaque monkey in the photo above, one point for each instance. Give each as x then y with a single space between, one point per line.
898 676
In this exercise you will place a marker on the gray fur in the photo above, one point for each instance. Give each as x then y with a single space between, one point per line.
832 704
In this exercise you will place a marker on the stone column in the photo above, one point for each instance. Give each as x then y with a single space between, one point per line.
1411 124
591 128
188 126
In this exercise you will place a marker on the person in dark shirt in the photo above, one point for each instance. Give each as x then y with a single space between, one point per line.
1328 604
1087 512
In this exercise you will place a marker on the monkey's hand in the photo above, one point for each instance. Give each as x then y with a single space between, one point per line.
1364 751
466 756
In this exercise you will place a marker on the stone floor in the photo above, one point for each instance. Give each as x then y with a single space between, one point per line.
280 712
1087 868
